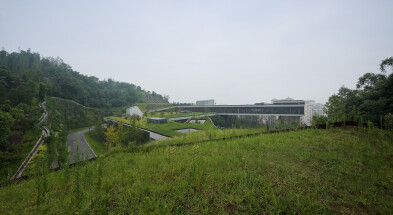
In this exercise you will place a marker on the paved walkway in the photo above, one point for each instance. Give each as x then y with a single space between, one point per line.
78 147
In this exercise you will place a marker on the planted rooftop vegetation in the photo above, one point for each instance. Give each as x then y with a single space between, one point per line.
169 128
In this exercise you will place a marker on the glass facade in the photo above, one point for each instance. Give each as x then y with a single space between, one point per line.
250 109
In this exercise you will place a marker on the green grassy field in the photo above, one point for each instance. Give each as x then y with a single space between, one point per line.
204 136
145 106
304 172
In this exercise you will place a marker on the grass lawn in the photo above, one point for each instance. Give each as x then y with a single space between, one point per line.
145 106
304 172
169 127
98 146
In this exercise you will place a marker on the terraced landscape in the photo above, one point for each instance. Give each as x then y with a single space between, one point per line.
168 128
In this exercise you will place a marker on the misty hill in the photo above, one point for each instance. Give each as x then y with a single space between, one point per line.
25 76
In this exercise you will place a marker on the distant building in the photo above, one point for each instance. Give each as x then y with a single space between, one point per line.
287 101
157 120
312 109
205 102
134 110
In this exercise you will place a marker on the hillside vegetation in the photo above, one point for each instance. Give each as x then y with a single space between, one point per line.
372 100
304 172
27 79
26 75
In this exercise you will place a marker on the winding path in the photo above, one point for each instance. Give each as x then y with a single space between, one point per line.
78 147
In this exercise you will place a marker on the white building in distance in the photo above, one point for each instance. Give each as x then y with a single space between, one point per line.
205 102
312 109
134 110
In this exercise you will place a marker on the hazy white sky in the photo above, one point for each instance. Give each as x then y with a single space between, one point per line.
236 52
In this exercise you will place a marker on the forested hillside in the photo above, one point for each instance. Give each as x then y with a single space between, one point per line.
26 75
26 79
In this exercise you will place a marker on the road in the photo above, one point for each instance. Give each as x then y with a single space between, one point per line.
78 147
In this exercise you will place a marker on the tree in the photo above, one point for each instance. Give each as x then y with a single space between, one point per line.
121 134
372 100
98 131
335 108
386 62
111 137
134 118
6 122
42 92
318 120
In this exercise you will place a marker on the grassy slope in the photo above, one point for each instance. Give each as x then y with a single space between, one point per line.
98 146
169 127
29 139
306 172
144 106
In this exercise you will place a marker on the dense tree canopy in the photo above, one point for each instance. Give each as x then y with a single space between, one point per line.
25 75
371 100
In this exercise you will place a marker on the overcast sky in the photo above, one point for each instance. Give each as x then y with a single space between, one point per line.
236 52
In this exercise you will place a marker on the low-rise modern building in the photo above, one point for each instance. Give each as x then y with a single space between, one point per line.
134 110
286 110
205 102
279 110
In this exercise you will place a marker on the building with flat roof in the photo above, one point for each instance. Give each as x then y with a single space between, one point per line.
205 102
287 101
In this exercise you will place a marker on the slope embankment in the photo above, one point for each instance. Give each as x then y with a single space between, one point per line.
312 171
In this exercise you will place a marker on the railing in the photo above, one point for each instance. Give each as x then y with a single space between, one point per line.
45 133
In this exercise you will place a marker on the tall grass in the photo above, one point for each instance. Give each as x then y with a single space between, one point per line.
302 172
